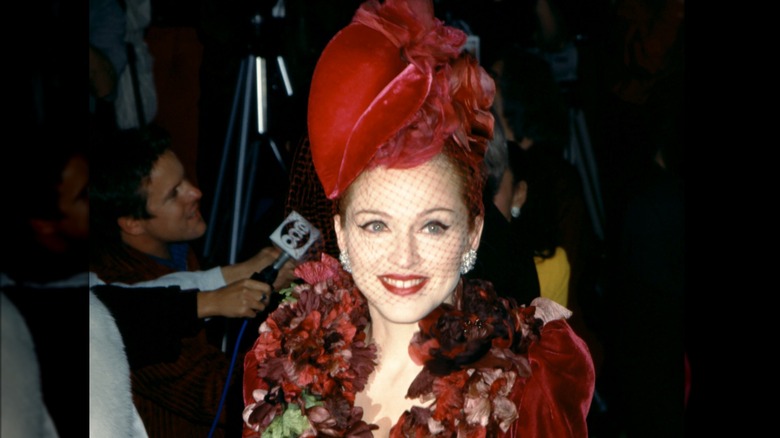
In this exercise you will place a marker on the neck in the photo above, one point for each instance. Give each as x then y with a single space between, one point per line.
392 339
147 245
384 398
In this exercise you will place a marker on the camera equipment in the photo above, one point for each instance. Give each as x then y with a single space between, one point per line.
261 71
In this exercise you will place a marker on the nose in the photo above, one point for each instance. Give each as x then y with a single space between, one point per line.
193 192
405 252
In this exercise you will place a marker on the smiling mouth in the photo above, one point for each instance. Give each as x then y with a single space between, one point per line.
195 209
403 286
194 214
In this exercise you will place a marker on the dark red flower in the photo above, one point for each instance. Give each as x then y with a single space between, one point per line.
316 272
316 348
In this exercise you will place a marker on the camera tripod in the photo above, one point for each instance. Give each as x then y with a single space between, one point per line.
250 98
249 122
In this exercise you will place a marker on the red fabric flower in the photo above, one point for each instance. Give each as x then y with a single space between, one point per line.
471 361
316 346
316 272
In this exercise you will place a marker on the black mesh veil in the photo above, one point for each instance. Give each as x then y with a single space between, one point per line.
307 197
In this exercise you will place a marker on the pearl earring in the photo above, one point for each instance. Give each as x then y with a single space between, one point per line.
468 261
344 259
515 211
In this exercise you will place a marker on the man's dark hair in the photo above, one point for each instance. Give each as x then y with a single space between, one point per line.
31 175
121 164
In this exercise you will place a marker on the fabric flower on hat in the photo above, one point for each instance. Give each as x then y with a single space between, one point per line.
391 88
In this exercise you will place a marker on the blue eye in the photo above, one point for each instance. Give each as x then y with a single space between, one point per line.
435 227
374 226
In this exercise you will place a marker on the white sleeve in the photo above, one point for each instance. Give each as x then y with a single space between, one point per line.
201 280
22 409
111 408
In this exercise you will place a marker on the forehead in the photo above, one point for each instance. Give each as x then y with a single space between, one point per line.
434 183
166 173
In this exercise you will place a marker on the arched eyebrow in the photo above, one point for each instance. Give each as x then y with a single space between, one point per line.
425 212
368 211
438 209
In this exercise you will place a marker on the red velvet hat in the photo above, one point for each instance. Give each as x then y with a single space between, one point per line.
389 89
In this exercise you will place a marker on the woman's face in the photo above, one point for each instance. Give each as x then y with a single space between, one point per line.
405 231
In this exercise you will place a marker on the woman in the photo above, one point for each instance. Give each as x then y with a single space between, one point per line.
392 341
500 258
534 193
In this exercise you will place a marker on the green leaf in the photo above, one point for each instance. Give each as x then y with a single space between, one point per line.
292 423
287 294
310 400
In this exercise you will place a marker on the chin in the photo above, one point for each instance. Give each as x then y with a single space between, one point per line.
201 230
410 313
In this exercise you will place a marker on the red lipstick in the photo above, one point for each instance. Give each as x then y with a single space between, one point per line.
403 285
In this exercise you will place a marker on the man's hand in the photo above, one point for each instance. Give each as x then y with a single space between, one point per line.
240 299
257 263
286 275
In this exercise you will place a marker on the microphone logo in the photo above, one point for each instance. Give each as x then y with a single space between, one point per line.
295 235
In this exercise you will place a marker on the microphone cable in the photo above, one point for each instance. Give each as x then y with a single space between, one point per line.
227 383
267 276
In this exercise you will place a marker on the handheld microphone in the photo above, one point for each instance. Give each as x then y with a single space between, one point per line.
294 236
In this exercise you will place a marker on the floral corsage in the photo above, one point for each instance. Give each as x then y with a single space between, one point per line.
312 357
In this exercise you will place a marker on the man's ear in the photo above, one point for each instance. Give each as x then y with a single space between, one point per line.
130 225
337 229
